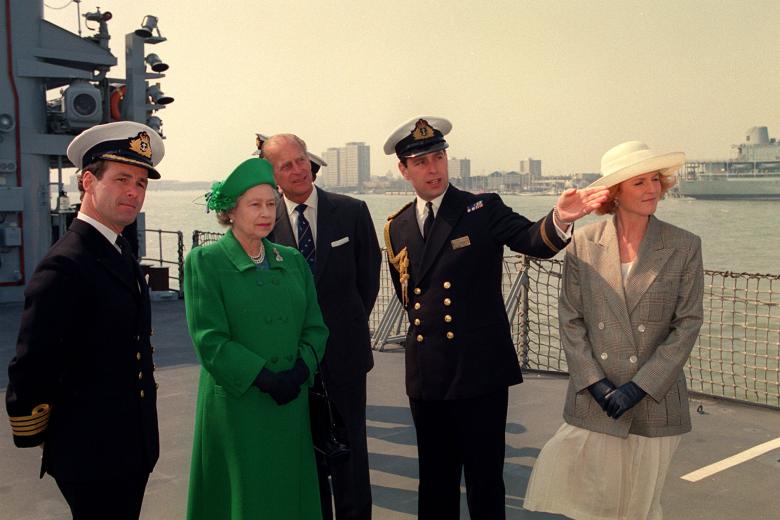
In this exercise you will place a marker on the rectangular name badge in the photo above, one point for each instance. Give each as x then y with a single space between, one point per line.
339 242
460 242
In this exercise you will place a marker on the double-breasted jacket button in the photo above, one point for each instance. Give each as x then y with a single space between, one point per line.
420 338
274 359
604 355
152 349
447 302
154 367
417 291
151 332
450 334
417 321
142 394
156 386
641 328
601 325
140 375
446 285
633 359
138 356
417 306
447 318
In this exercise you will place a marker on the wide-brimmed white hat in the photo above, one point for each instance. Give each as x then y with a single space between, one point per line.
634 158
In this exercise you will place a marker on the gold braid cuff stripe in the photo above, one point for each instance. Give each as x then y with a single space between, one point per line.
549 243
34 424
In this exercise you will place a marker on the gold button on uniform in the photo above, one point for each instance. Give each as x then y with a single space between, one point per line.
447 318
417 321
633 359
138 356
142 394
601 325
156 386
447 285
604 355
140 375
447 302
417 290
641 328
417 306
450 335
420 338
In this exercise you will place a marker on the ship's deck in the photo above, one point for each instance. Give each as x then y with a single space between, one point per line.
723 429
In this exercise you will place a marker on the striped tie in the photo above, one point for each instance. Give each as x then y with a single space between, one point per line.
305 237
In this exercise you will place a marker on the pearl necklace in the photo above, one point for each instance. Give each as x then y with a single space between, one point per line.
259 257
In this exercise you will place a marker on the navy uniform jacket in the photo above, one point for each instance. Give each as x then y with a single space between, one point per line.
82 378
347 279
459 343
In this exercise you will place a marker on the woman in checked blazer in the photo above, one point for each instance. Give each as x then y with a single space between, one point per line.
630 311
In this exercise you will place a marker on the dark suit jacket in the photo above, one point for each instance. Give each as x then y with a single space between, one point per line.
459 343
347 279
83 351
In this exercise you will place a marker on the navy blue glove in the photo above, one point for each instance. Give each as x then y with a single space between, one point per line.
623 399
279 388
599 391
297 374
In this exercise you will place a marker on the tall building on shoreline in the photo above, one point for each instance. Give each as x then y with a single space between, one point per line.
459 168
532 167
348 166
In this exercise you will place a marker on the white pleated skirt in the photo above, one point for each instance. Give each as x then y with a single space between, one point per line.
594 476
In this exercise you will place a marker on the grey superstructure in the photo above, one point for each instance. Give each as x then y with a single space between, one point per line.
753 174
54 85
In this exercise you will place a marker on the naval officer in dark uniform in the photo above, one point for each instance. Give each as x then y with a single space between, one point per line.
81 384
446 254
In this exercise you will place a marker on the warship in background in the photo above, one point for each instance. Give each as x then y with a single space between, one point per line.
754 174
55 85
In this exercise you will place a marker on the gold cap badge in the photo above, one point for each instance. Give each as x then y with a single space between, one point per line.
142 145
422 130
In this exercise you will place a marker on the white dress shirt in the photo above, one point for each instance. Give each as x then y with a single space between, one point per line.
310 213
102 228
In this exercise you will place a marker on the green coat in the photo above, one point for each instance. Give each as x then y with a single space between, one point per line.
251 458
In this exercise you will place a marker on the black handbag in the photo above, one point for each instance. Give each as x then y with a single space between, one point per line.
328 431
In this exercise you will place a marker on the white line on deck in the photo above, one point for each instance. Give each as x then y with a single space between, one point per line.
727 463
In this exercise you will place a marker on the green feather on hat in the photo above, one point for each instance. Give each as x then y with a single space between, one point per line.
248 174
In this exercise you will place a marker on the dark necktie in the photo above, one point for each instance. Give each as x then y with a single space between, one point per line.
128 258
428 223
305 237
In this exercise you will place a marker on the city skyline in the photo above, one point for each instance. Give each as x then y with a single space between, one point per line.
562 82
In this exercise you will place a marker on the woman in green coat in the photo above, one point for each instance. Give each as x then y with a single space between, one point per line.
253 316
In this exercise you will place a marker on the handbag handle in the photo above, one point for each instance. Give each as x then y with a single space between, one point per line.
322 377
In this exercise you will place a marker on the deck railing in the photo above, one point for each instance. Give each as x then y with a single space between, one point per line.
159 244
736 356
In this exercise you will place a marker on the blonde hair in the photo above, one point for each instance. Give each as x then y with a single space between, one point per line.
610 206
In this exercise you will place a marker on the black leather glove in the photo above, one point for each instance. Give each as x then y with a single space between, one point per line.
623 399
599 391
281 389
300 372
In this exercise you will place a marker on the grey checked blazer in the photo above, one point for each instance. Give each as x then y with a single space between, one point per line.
644 333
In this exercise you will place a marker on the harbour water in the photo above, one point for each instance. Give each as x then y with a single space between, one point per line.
739 236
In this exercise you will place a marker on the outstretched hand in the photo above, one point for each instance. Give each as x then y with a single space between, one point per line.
573 204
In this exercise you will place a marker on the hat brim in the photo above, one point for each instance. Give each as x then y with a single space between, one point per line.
667 164
153 174
425 150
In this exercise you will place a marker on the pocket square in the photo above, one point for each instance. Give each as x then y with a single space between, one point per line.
339 242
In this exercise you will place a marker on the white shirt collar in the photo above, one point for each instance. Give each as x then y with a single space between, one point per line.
104 230
310 202
436 203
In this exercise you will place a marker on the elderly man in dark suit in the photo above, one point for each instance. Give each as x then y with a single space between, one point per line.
446 253
81 384
336 236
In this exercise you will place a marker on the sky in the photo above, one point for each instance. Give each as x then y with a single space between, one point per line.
561 81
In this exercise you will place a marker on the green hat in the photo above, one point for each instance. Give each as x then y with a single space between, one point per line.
248 174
